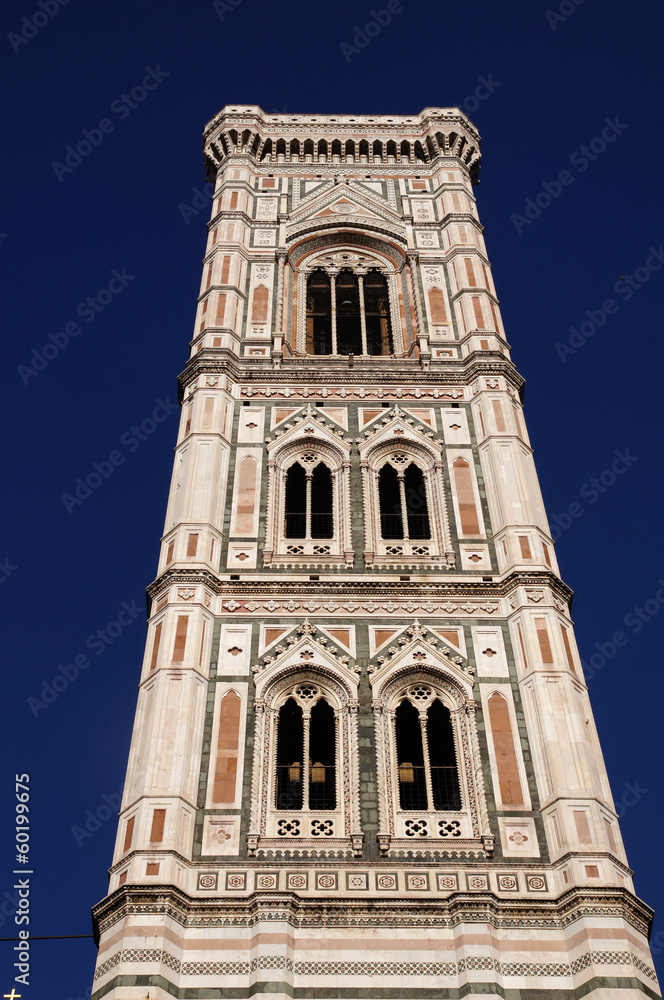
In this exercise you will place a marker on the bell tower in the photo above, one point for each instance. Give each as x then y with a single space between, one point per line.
364 763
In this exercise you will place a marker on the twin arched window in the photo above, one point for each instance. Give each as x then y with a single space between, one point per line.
428 775
427 770
306 768
348 313
309 502
403 503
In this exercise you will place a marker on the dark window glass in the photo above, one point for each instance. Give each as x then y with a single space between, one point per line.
321 502
391 522
296 499
410 758
442 758
322 782
290 745
377 313
349 328
416 503
319 307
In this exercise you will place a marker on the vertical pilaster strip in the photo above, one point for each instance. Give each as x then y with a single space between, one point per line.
412 266
333 302
279 314
363 317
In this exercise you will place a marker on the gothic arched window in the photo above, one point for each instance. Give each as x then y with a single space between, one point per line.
427 769
309 502
442 758
410 757
401 494
321 502
290 743
347 307
389 494
416 503
306 753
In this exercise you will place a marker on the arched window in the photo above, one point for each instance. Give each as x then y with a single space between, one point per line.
442 758
309 502
427 769
290 744
306 752
322 784
347 300
319 310
389 494
410 758
377 313
399 493
296 502
416 503
321 502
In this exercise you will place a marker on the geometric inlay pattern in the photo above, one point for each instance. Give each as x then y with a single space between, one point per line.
475 963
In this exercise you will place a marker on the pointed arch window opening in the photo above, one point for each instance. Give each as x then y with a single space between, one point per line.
309 503
403 504
306 753
348 312
427 768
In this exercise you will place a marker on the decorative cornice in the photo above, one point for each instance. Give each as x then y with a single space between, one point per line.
442 589
381 377
459 908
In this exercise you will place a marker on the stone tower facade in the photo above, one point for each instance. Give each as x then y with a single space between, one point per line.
364 761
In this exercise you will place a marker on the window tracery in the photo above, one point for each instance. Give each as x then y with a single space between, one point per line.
305 781
429 761
405 511
351 305
308 496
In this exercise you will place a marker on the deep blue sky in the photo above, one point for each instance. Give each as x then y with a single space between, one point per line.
119 208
